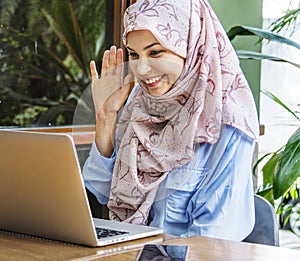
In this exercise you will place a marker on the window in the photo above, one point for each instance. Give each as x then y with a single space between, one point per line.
281 79
45 49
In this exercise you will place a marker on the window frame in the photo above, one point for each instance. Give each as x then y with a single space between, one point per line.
84 135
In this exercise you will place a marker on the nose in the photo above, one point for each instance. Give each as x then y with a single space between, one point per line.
143 66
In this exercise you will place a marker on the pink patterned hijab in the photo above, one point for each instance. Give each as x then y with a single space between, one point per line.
156 135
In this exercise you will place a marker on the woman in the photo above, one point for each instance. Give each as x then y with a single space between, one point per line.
178 154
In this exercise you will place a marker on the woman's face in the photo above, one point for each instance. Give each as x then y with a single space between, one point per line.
158 68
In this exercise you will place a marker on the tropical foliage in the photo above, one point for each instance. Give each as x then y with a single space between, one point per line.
281 175
288 20
281 168
45 48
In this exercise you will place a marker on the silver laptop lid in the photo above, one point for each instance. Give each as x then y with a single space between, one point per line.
42 192
39 195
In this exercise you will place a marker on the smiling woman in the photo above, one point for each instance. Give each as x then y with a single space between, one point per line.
176 150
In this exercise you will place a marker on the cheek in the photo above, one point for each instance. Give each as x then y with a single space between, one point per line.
178 67
172 68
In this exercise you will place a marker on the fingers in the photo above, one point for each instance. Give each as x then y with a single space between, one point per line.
112 56
93 69
105 62
119 56
112 66
111 59
120 66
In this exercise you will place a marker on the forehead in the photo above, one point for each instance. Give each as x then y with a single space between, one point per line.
140 39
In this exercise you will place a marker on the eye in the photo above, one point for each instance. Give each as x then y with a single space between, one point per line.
156 52
133 55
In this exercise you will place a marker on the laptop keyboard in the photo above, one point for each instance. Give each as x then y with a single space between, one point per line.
104 232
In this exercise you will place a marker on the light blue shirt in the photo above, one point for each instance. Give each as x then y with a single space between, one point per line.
212 195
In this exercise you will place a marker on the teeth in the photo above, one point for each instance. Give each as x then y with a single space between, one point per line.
153 80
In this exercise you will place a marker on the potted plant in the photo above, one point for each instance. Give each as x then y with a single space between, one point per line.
280 173
281 168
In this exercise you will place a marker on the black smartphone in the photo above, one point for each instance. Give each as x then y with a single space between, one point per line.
157 252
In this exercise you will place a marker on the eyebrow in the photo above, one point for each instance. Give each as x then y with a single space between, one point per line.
145 48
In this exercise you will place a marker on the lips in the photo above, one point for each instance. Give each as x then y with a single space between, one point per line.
153 81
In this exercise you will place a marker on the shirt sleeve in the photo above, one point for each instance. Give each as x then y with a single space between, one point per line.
97 174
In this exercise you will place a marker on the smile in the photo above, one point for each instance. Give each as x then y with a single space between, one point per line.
153 81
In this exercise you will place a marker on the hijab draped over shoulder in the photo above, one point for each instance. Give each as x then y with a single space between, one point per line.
156 135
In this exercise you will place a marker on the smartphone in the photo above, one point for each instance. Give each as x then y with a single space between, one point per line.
157 252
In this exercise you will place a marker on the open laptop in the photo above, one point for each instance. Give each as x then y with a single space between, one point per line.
42 192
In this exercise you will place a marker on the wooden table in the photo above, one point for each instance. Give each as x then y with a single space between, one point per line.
19 247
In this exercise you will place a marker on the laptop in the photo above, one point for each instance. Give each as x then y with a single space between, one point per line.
42 193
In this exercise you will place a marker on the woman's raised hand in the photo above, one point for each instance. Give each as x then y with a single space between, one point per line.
110 90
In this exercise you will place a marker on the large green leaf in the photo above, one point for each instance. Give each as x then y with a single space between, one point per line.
243 54
288 168
66 26
263 34
281 103
255 167
268 170
267 193
288 20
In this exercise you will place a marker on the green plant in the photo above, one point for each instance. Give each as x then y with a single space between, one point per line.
281 172
262 35
285 21
45 47
281 168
